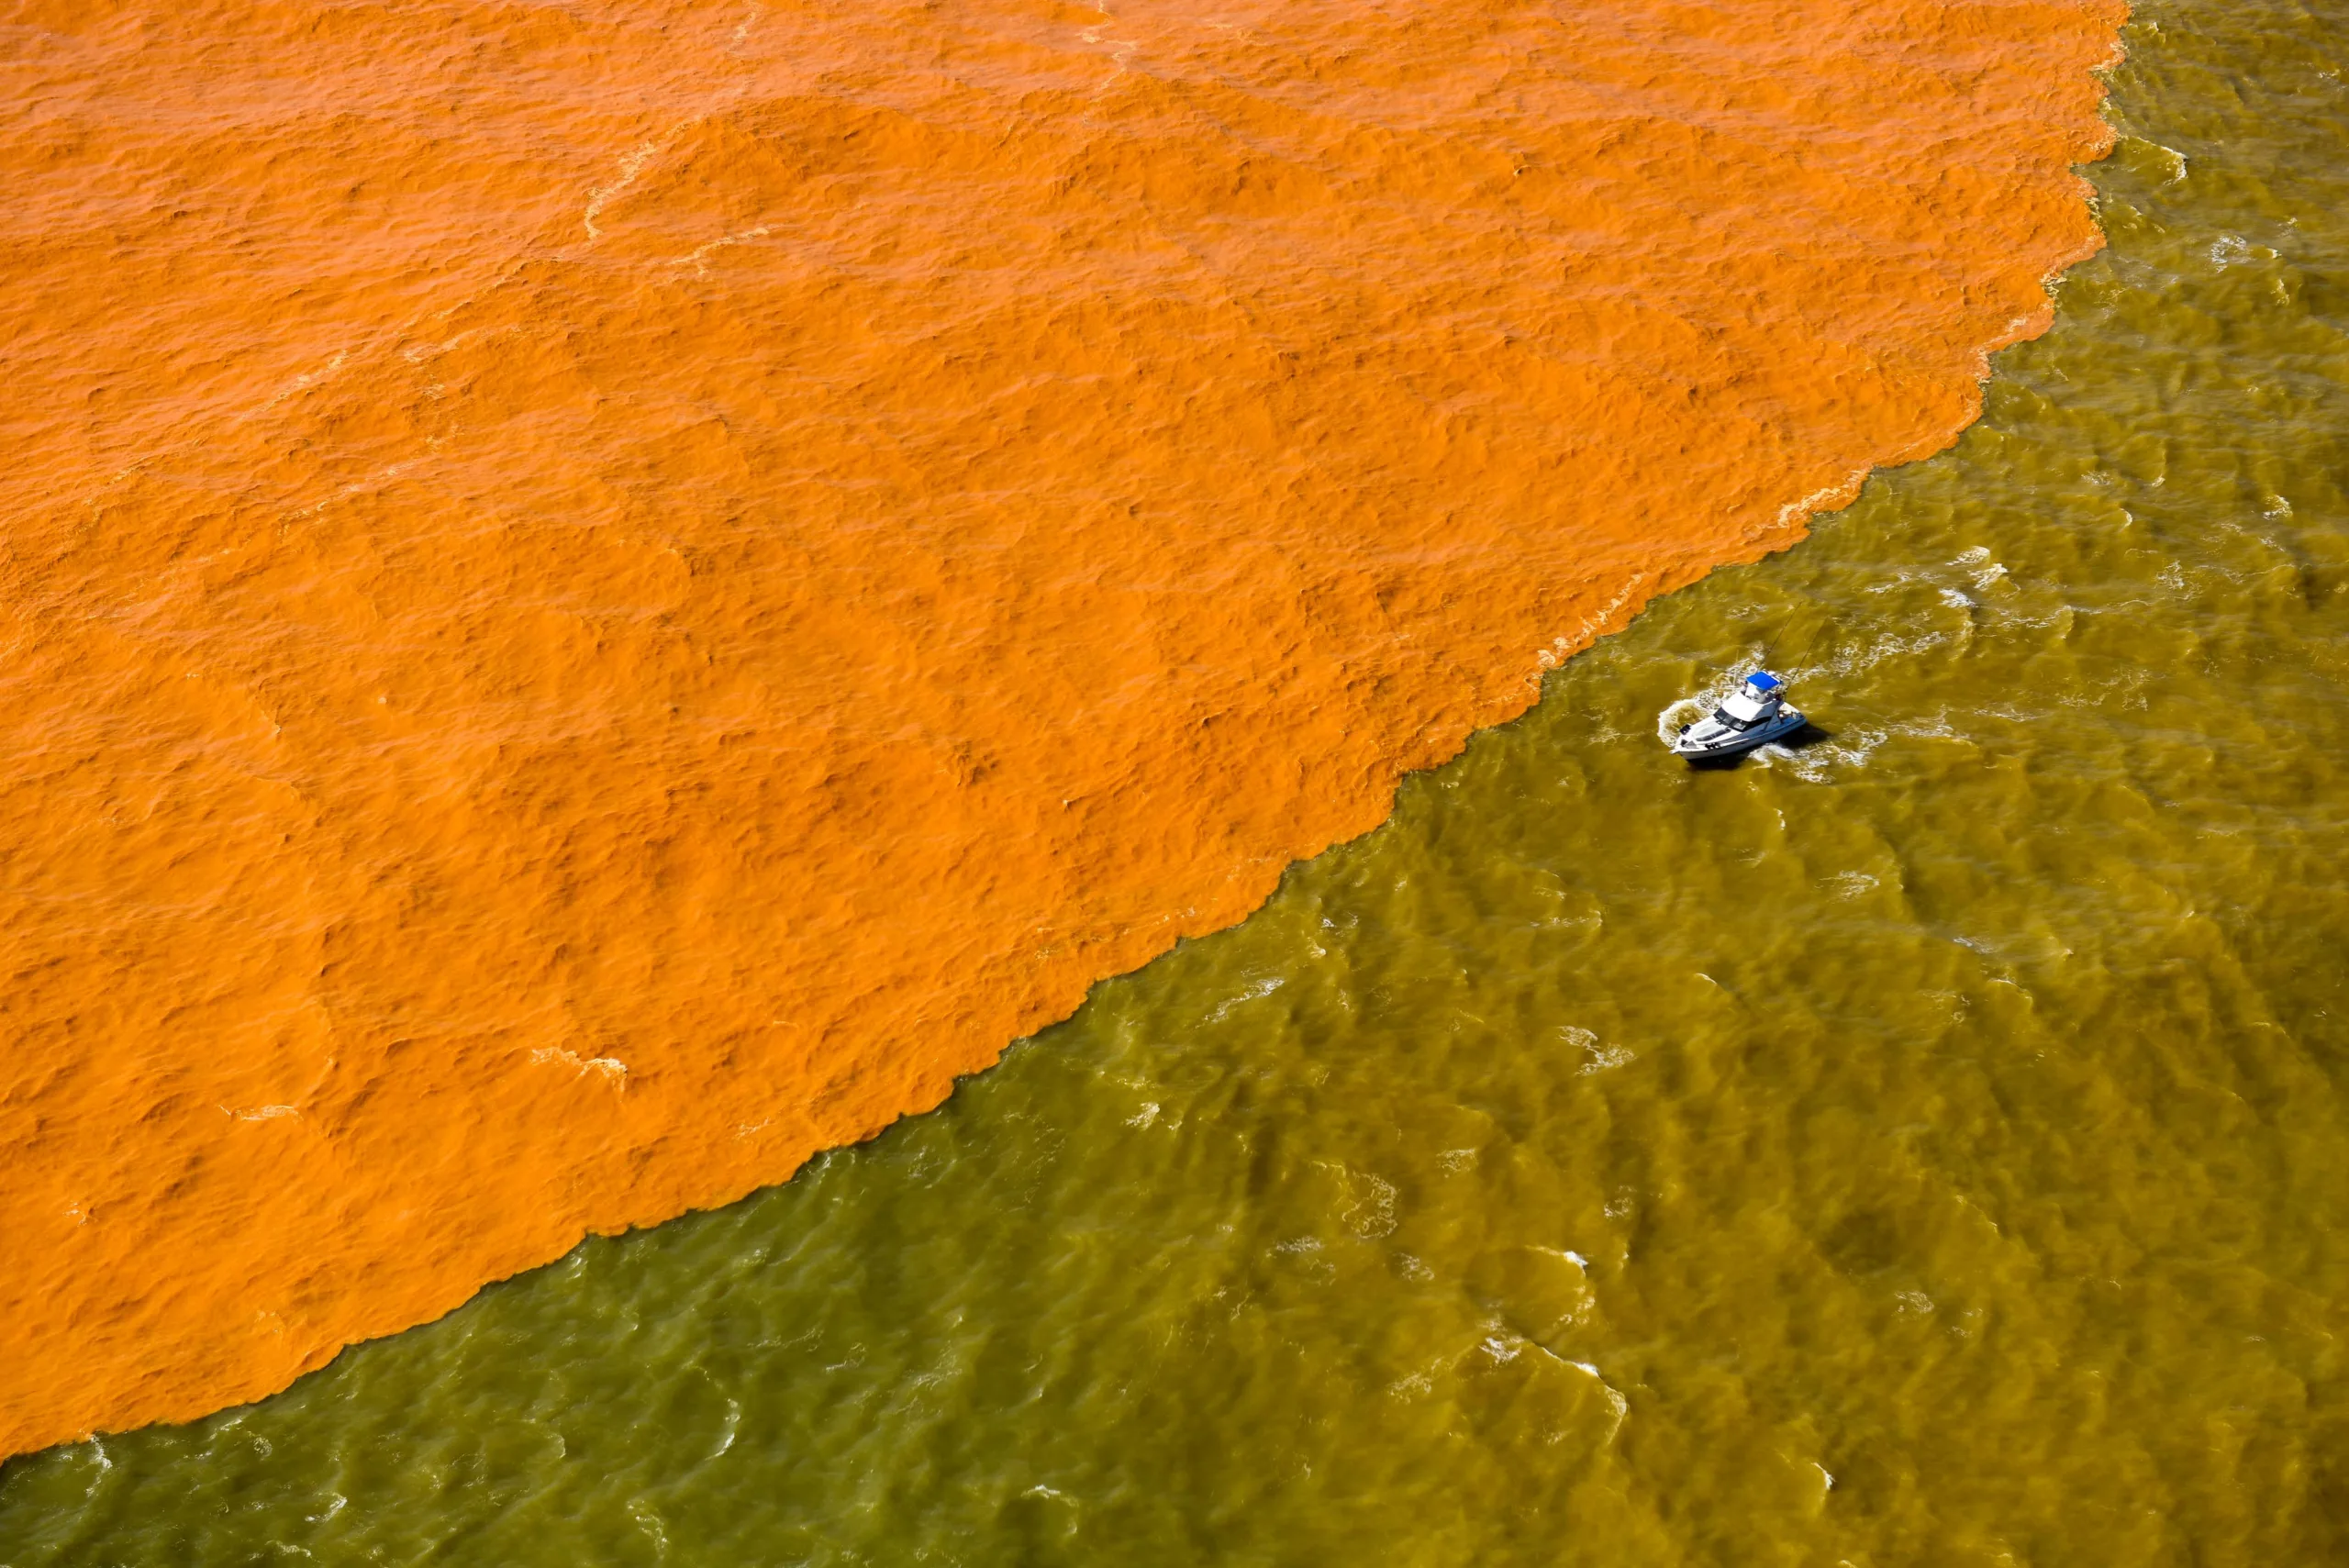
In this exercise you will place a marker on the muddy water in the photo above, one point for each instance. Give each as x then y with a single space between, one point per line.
600 598
1926 1146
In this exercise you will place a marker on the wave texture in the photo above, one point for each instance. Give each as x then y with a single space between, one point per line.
601 600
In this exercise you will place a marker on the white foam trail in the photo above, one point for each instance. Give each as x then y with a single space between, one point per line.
630 166
1256 993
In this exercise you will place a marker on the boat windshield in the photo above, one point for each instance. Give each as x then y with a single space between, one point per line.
1725 717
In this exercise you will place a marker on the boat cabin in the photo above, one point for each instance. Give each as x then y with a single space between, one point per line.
1754 701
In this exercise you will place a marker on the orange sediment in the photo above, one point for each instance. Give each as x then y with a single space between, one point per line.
600 600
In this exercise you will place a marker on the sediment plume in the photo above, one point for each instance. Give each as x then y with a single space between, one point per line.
603 599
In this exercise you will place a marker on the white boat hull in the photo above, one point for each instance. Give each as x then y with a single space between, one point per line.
1706 740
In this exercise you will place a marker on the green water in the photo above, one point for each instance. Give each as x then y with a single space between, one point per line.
1586 1165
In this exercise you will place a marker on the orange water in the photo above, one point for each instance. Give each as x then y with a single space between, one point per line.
602 599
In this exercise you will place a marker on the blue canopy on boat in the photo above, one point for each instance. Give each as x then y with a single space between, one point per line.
1763 681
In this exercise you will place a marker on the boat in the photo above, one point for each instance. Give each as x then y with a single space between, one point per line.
1756 714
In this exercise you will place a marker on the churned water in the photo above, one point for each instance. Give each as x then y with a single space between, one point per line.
602 597
1927 1145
